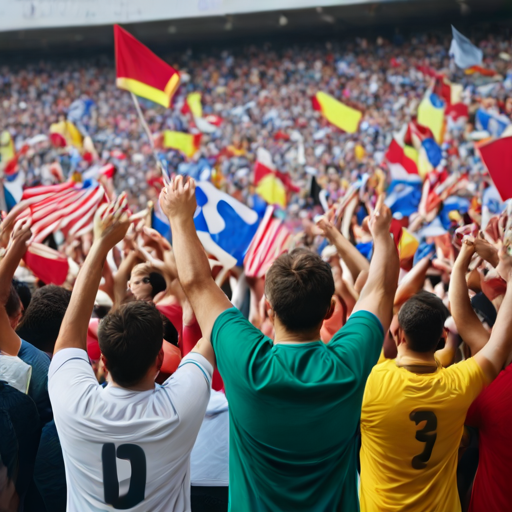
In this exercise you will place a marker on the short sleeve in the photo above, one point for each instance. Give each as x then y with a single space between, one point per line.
235 342
359 342
467 378
189 387
70 378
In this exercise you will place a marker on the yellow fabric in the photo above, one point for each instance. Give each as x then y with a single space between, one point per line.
411 152
431 117
146 91
272 190
180 141
394 399
382 357
408 245
194 103
359 152
6 148
345 118
69 131
424 165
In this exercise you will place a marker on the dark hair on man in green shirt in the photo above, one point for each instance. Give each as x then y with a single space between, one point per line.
299 286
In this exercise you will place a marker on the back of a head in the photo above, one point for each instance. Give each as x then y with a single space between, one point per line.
299 286
13 304
130 338
422 320
41 322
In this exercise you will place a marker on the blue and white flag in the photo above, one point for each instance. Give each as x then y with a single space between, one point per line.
464 52
492 204
404 197
225 226
160 222
491 122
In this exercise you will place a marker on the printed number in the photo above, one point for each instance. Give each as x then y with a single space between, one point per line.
136 491
427 435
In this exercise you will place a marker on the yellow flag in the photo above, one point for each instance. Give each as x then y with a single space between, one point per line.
69 131
432 116
408 245
337 113
271 189
6 148
194 104
187 143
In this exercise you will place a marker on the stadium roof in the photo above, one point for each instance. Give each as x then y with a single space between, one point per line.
335 21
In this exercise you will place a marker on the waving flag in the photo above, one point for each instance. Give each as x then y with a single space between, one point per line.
225 226
186 143
429 152
160 222
46 264
271 185
464 52
68 207
402 159
404 197
7 152
67 131
141 72
340 115
451 94
270 241
497 157
431 113
193 104
491 122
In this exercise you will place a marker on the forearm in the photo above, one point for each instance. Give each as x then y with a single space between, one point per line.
354 260
73 332
468 324
8 267
497 351
191 260
379 291
121 278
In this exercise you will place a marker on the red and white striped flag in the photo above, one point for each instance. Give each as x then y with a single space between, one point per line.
68 207
270 241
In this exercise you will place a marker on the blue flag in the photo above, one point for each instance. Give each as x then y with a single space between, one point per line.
226 222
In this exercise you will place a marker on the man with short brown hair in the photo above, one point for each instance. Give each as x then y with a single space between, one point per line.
294 401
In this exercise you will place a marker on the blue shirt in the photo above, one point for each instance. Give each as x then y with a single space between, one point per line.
38 388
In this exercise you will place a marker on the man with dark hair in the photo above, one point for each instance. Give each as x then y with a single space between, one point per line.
41 322
294 401
414 409
125 446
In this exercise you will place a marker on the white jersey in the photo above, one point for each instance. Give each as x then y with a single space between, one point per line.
127 450
209 462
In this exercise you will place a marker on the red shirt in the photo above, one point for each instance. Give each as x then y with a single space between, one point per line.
491 413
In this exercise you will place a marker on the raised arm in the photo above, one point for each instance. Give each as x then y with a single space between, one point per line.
108 232
379 291
10 342
208 301
493 356
468 324
354 260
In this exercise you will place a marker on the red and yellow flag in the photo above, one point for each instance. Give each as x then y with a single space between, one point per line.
140 71
344 117
187 143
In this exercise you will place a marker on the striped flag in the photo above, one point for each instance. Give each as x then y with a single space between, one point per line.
68 207
270 241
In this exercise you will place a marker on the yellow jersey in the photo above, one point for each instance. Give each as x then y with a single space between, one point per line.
411 427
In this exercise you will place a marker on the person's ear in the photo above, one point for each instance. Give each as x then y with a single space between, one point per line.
160 358
269 311
400 337
330 311
105 362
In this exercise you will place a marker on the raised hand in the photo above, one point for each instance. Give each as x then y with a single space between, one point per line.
380 220
504 267
21 235
111 222
178 199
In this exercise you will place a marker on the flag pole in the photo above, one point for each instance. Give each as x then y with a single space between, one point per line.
165 174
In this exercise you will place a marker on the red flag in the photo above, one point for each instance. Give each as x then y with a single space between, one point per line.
497 157
140 71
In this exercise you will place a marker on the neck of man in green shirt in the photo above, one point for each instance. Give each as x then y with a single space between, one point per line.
285 336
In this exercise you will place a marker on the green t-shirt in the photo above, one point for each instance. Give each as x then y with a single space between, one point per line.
294 411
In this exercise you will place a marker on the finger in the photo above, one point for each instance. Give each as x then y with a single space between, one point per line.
179 183
380 203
